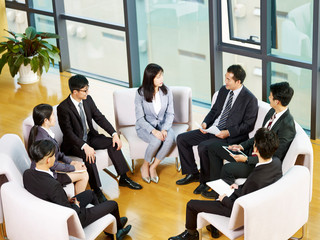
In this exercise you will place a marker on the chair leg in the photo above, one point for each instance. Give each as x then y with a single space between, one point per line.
299 238
178 166
133 166
200 234
3 232
111 174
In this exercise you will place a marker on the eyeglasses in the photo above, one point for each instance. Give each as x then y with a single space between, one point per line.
84 90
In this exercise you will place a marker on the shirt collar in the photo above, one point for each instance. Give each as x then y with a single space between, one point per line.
236 92
49 131
258 164
279 114
75 102
49 171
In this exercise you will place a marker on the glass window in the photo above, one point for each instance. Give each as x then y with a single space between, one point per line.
241 23
300 80
98 50
17 20
253 80
105 10
42 5
294 23
175 35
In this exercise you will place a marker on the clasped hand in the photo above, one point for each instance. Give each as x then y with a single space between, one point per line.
161 135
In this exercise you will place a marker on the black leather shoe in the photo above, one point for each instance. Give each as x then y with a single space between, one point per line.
202 187
186 236
210 194
188 179
214 232
127 182
100 196
123 221
123 232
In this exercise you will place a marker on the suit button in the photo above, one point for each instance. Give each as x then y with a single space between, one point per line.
157 119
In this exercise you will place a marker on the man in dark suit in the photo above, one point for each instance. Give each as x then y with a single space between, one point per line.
234 114
75 115
278 119
41 183
266 172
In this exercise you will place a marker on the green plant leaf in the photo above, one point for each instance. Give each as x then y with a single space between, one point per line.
2 49
46 44
11 32
34 64
46 64
19 60
3 61
44 35
31 32
12 39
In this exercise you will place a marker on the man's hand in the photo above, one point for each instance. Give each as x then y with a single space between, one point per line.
221 197
157 134
74 201
90 153
223 134
164 134
239 158
116 140
235 147
204 126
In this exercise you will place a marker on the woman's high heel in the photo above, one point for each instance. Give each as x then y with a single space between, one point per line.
146 179
155 179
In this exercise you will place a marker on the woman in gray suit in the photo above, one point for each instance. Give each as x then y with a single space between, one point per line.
154 114
64 169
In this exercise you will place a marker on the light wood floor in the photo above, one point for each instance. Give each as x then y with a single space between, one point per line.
158 210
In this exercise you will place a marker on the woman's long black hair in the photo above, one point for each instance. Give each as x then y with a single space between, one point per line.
147 87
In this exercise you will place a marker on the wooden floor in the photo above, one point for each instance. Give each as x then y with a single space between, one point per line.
158 210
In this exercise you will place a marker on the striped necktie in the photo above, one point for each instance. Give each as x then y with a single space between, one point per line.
224 116
271 121
83 120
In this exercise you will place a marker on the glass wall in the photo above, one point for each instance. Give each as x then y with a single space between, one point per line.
175 35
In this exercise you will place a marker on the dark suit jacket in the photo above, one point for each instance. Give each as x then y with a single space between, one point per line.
260 177
58 166
284 128
71 126
242 115
43 186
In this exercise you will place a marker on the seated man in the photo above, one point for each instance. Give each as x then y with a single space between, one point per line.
277 119
234 114
266 172
75 115
41 183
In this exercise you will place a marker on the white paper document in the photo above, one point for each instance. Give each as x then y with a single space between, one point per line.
213 129
221 187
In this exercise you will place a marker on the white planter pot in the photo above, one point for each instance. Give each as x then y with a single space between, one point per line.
27 76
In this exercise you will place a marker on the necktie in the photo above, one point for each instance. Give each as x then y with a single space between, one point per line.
271 120
83 120
224 116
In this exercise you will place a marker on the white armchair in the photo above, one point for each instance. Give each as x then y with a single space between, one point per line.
125 118
275 212
28 217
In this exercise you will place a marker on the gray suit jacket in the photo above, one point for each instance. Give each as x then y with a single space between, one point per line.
147 119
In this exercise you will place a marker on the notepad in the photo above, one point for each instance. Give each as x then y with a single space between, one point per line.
221 187
213 129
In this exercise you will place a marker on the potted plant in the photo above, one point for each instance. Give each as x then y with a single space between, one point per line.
28 53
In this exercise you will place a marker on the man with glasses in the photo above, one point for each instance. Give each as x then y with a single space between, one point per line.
75 115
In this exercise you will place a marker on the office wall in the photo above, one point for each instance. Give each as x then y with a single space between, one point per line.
3 20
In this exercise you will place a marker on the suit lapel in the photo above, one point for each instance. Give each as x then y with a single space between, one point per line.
278 122
73 109
268 116
163 100
237 101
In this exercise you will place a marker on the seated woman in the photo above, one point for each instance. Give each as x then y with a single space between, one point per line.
154 114
44 118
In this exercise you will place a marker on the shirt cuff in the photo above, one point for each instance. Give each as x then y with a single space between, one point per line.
83 146
114 134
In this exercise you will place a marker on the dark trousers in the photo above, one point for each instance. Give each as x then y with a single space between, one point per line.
228 172
101 142
89 215
186 141
196 206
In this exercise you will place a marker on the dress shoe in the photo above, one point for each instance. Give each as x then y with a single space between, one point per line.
210 194
146 179
123 221
186 236
202 187
100 196
155 179
123 232
188 179
214 232
127 182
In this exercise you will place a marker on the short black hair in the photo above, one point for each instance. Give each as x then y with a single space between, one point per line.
267 142
40 149
238 72
282 92
77 82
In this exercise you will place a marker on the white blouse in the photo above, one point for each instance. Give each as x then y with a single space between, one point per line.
156 103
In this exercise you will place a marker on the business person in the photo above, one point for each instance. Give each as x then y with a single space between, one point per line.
234 114
41 183
154 114
75 115
267 171
44 119
278 119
